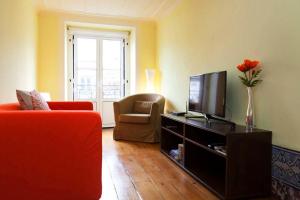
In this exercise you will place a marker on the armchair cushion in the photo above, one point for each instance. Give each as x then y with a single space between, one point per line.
134 118
142 107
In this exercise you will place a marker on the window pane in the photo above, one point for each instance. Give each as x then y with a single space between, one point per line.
112 69
86 54
86 69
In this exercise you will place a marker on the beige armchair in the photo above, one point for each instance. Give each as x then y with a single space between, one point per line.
137 117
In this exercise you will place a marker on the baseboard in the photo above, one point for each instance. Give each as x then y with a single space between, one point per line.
285 173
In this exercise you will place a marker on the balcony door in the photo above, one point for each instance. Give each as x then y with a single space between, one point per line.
99 72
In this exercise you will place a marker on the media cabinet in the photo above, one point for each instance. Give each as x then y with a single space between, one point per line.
244 171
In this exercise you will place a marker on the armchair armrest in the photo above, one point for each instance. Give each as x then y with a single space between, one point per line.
50 154
70 105
122 107
154 113
161 103
157 108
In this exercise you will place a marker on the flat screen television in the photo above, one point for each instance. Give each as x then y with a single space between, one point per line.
207 93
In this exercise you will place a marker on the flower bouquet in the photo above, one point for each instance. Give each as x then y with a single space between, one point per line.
250 79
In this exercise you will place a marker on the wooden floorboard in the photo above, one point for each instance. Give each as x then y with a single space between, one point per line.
136 171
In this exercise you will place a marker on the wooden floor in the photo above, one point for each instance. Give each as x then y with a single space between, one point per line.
139 171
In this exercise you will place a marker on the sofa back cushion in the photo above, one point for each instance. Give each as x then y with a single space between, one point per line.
9 107
142 107
38 102
24 99
31 100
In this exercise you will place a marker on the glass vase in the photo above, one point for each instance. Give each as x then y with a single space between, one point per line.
250 110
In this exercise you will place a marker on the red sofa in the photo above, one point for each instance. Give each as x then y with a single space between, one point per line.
50 155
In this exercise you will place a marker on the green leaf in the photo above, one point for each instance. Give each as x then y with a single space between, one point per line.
255 75
242 78
255 82
245 81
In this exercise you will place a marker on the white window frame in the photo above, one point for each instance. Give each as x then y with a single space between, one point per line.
94 34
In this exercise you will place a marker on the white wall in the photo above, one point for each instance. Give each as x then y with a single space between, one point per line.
17 47
202 36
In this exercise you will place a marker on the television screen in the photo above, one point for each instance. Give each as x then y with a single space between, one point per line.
208 93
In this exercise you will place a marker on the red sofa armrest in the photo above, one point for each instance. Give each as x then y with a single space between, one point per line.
50 155
70 105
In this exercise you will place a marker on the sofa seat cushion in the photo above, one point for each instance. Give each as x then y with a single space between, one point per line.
134 118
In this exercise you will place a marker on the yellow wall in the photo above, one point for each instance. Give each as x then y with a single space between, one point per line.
202 36
17 47
51 48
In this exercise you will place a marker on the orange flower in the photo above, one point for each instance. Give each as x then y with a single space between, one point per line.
250 64
243 67
251 78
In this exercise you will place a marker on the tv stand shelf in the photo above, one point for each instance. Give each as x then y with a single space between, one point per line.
243 171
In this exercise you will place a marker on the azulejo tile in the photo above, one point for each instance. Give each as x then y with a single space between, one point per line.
286 174
286 166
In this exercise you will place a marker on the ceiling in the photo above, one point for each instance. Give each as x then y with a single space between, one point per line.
144 9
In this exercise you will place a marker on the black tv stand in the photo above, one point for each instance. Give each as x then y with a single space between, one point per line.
242 171
210 117
190 116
